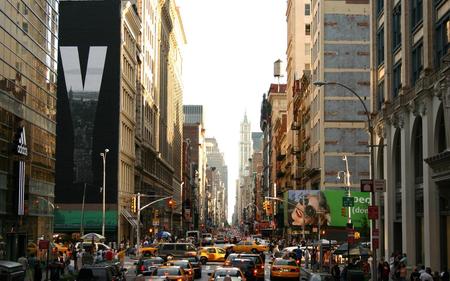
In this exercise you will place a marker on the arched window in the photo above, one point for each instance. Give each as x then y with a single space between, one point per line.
440 131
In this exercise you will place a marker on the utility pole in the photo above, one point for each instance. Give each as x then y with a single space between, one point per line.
138 227
82 212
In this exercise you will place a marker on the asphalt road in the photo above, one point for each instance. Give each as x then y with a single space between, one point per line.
208 268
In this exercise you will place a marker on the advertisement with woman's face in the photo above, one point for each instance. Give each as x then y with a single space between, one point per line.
307 207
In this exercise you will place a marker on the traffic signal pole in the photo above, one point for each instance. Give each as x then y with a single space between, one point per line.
139 209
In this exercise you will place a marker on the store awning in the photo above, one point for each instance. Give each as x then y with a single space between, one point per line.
70 220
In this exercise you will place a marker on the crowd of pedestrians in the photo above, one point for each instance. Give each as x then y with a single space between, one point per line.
396 270
68 262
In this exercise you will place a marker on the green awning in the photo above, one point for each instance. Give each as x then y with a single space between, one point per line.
70 220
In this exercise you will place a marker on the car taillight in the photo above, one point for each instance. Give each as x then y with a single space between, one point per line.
295 269
297 261
142 267
254 272
262 266
274 268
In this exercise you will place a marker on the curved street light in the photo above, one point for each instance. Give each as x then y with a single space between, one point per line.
372 160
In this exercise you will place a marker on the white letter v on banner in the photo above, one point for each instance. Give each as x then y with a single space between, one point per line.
70 59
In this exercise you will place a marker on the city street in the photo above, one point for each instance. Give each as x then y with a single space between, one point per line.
208 268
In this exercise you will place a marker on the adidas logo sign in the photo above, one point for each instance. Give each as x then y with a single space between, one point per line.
22 143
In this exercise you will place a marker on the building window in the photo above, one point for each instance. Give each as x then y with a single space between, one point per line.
307 29
416 13
396 79
307 49
380 6
396 27
380 46
307 9
307 66
380 95
417 62
442 39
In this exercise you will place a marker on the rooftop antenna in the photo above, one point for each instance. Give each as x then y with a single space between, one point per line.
277 71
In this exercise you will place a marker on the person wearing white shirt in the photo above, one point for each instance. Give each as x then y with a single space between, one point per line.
426 275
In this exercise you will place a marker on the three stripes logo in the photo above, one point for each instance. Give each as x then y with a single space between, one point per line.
21 142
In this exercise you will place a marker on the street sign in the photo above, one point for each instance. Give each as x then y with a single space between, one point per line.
379 185
44 244
351 236
366 185
375 233
372 212
348 201
155 222
375 243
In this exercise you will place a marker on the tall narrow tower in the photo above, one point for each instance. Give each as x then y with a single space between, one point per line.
245 152
245 146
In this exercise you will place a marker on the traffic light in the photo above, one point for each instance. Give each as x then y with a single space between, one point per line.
133 204
357 235
344 212
269 210
265 205
171 203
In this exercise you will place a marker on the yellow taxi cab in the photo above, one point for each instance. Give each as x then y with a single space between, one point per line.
284 268
185 265
149 250
32 248
207 254
175 273
233 272
250 247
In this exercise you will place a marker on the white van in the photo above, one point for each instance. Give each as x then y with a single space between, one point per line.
193 234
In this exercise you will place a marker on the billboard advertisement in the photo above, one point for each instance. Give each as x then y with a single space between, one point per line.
309 207
88 103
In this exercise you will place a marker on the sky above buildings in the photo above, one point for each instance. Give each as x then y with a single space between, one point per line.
228 66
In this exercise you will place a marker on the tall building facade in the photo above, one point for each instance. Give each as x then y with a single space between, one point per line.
273 108
215 159
194 134
298 53
97 116
340 51
193 114
128 109
411 102
28 75
171 39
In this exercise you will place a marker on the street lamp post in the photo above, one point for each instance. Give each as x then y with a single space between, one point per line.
103 155
372 159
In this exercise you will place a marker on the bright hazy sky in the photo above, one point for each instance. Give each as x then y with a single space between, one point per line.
228 65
